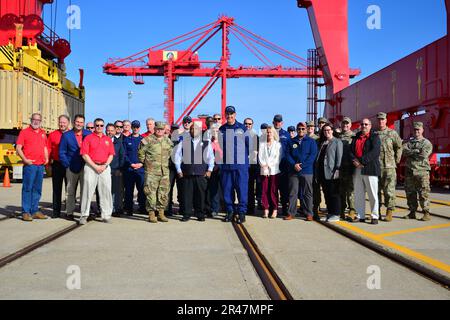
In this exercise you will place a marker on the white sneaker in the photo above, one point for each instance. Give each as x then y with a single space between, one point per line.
333 219
82 221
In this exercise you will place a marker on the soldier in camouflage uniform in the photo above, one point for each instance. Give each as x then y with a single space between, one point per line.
390 157
417 152
155 152
311 130
347 168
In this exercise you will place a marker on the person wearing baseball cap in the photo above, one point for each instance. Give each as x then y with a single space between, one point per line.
322 121
285 139
390 158
346 172
187 123
292 132
417 152
311 130
300 156
235 166
133 170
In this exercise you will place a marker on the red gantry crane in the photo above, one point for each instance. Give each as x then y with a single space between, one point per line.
164 60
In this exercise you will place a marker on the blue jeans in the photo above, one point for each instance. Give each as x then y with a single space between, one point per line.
33 176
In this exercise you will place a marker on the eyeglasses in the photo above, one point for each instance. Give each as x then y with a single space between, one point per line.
90 128
301 129
99 126
248 124
217 119
366 124
119 127
328 130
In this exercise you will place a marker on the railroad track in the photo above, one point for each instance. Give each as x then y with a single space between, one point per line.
24 251
395 257
272 283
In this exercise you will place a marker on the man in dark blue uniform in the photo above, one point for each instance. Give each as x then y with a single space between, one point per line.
235 146
285 139
134 170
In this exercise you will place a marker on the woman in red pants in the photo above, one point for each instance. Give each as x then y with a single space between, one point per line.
269 158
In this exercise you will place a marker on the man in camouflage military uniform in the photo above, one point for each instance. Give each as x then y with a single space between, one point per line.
390 157
417 152
155 152
311 130
347 168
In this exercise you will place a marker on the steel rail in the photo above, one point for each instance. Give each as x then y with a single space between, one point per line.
24 251
416 267
272 283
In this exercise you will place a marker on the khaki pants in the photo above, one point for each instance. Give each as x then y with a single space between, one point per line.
91 181
363 185
72 184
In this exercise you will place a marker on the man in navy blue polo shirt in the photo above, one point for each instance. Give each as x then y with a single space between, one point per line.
134 170
235 146
300 157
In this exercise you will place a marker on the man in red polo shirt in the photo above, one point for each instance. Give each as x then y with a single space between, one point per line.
150 128
58 170
98 152
32 149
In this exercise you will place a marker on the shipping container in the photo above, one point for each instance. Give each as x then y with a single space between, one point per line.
21 95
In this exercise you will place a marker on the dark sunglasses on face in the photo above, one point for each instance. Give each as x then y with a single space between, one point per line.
217 119
90 128
365 124
99 125
249 124
119 127
301 129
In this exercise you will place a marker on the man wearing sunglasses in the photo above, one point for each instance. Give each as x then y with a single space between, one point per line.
98 152
417 152
365 156
300 156
90 126
217 118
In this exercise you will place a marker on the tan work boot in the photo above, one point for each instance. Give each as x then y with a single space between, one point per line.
162 217
389 215
152 217
426 217
352 215
40 216
410 216
27 217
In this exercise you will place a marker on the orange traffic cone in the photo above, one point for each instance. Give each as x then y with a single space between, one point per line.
6 181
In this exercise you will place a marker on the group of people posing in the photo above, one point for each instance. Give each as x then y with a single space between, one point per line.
227 167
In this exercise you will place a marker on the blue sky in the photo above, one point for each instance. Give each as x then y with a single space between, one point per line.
119 29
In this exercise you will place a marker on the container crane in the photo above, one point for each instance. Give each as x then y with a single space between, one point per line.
163 60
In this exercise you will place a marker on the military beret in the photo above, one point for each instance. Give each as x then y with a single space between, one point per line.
418 125
382 116
347 119
291 129
159 125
